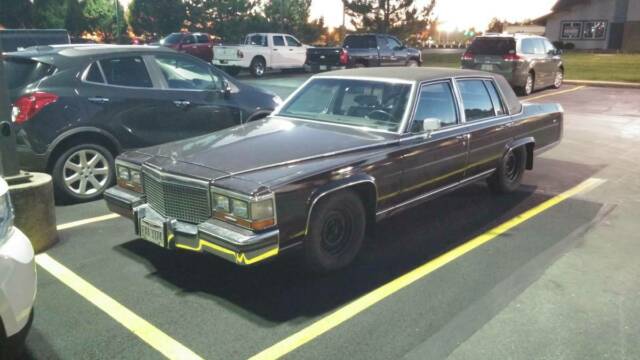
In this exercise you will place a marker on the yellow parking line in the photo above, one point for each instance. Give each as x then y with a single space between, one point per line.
87 221
160 341
556 93
357 306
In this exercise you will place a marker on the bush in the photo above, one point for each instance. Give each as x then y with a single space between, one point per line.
569 46
558 44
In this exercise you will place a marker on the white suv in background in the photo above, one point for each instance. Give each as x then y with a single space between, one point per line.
17 281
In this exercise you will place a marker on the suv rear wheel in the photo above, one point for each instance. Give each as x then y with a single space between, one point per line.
83 172
529 86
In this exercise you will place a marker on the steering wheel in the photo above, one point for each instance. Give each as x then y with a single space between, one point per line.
380 115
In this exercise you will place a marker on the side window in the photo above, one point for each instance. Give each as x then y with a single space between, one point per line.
528 47
186 74
539 46
548 47
202 38
435 102
94 74
126 71
495 97
393 43
476 100
292 42
189 39
383 43
278 41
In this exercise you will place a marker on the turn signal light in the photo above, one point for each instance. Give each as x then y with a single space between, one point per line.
26 107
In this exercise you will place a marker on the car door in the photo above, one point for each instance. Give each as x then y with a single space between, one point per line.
205 47
553 60
279 51
434 156
122 98
535 55
297 54
385 53
189 45
194 102
399 53
489 126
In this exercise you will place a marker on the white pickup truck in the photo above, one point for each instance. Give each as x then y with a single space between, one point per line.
259 52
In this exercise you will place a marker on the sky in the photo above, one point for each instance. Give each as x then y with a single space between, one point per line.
460 14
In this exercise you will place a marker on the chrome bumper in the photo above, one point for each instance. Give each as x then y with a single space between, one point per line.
228 241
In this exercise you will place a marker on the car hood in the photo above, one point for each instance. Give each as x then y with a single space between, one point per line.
264 144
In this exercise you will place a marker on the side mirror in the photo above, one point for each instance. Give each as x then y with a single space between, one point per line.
226 89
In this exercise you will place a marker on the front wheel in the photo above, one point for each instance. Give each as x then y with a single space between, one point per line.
509 173
257 67
83 172
336 232
559 79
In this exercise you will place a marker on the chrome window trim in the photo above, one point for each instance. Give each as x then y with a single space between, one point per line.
85 73
481 79
332 190
417 100
154 80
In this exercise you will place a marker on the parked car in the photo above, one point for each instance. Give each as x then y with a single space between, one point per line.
260 52
19 39
17 281
528 62
76 107
348 148
363 50
198 44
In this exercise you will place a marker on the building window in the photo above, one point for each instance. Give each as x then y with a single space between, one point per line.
594 30
571 30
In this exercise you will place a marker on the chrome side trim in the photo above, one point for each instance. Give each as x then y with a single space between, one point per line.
416 200
332 190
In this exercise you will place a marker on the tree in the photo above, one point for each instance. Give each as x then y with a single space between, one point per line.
74 21
49 14
496 25
15 14
399 17
156 17
292 16
229 19
101 18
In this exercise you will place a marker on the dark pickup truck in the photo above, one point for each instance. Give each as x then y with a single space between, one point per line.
363 50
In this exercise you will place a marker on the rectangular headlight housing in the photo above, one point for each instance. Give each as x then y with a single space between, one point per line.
248 212
129 176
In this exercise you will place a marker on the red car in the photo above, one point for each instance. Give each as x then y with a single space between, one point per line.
197 44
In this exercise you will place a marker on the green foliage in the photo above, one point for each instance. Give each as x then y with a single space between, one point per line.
153 18
402 18
100 17
74 21
49 14
292 17
229 19
15 14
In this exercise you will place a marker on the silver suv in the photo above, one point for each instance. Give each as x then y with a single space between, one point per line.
528 62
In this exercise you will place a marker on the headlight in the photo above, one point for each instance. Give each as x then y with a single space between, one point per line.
6 214
256 214
129 176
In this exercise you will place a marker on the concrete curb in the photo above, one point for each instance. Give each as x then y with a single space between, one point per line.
611 84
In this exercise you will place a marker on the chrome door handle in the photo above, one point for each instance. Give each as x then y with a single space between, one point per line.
182 103
98 100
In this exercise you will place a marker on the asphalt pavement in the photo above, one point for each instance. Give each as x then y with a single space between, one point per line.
538 274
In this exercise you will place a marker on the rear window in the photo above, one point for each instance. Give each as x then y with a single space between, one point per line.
360 42
172 39
492 46
22 72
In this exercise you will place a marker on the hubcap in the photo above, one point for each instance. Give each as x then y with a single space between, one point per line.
86 172
336 232
511 167
559 78
529 86
259 69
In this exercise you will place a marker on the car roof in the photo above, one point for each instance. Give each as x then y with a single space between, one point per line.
413 74
82 50
509 35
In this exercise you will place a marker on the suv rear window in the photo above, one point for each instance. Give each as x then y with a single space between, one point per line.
492 46
22 72
360 42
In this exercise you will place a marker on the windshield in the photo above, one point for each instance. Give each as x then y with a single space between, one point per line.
22 72
372 104
171 39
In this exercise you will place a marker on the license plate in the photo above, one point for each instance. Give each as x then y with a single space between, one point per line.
486 67
323 67
152 231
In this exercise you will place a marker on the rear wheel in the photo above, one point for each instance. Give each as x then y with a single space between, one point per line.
528 87
83 172
257 67
557 82
336 232
509 173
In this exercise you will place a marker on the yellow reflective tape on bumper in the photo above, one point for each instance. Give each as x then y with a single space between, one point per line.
240 258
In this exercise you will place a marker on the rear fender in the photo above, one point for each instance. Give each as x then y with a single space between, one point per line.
528 143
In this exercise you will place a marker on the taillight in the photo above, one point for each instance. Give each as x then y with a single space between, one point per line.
511 57
29 105
468 56
344 57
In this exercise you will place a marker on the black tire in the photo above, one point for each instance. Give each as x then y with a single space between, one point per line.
232 70
509 173
257 67
557 83
336 232
527 90
73 191
13 348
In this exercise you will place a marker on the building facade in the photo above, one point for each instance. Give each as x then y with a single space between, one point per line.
596 24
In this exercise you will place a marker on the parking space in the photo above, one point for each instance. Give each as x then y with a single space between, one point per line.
465 270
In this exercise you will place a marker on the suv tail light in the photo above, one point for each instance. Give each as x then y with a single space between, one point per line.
344 57
29 105
511 57
468 56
